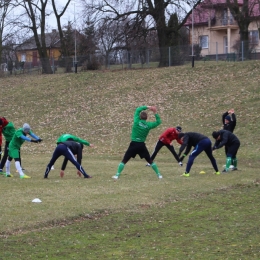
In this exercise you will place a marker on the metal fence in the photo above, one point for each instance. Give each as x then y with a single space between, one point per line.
129 59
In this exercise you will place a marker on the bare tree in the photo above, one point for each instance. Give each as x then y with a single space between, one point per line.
65 39
155 12
34 17
138 40
58 19
244 13
109 34
7 23
36 12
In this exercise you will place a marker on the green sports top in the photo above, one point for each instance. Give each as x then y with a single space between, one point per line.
141 128
8 131
17 141
69 137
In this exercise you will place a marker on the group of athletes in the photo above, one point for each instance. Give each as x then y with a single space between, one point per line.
68 146
199 142
71 146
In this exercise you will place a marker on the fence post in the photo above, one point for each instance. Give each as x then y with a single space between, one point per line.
128 59
169 56
53 65
242 46
147 58
217 51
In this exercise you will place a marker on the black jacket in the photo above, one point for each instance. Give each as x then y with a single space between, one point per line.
190 139
231 125
226 139
75 148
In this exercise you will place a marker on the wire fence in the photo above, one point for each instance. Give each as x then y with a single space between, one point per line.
133 59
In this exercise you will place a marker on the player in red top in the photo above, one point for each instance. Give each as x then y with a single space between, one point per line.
166 139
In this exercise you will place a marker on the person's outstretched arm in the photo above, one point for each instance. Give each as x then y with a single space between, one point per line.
138 111
157 117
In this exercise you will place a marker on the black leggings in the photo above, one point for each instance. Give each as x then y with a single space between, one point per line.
158 147
3 161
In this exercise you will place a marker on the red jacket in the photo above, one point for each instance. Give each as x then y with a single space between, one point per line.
3 123
169 135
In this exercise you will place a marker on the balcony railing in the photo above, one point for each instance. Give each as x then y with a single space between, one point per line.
223 21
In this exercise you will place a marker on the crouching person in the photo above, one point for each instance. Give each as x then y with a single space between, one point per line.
68 149
231 143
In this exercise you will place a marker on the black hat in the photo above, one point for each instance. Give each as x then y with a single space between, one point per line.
228 118
178 128
215 134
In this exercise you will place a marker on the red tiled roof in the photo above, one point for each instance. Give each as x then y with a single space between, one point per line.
206 9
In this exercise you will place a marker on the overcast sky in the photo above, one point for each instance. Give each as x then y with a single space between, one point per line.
68 16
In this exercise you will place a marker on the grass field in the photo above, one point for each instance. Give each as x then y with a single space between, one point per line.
138 217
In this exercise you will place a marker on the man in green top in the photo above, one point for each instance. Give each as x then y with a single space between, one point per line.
69 137
18 139
8 131
140 130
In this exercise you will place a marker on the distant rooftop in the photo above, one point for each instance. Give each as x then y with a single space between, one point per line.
52 40
207 9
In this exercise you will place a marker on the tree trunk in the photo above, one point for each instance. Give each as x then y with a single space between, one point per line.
46 66
41 45
163 47
162 32
1 49
242 16
244 44
42 51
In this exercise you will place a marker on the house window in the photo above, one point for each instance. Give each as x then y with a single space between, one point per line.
225 44
225 17
254 37
204 41
23 57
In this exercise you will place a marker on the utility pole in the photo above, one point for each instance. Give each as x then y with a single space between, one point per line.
192 36
75 36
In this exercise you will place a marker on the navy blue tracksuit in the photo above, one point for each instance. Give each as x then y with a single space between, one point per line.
67 149
200 143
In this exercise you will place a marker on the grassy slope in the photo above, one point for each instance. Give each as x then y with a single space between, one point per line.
102 104
99 106
215 225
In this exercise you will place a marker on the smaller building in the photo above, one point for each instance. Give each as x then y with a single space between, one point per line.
27 52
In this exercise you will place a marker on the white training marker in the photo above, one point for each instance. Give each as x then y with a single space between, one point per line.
36 200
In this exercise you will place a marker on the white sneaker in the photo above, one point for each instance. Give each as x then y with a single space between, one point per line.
148 164
52 167
115 177
180 163
160 176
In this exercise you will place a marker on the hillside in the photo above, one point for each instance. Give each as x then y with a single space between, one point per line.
99 106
